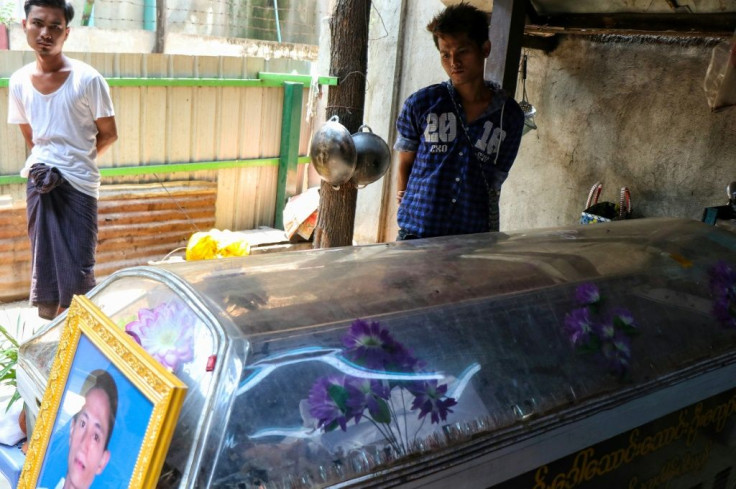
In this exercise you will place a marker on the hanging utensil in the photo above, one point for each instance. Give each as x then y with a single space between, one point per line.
525 105
374 156
332 151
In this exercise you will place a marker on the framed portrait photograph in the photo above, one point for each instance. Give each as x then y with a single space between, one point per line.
108 412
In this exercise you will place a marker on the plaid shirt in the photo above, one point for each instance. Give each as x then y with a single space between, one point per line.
446 193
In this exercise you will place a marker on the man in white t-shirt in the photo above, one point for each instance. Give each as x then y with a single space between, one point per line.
65 112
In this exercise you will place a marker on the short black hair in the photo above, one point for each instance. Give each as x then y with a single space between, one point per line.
100 379
67 7
458 19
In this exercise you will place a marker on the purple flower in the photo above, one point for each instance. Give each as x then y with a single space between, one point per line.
166 332
724 310
617 353
587 294
579 326
723 286
369 394
431 398
367 343
134 336
328 403
623 318
372 346
336 400
401 359
722 276
606 331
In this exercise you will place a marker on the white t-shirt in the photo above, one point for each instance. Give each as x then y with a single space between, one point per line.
63 122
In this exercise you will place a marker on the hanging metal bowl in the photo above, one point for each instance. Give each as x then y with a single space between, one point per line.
333 152
374 156
529 112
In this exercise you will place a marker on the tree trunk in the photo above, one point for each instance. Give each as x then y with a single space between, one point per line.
160 26
348 62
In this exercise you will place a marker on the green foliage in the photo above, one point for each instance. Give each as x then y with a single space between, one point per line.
8 363
6 12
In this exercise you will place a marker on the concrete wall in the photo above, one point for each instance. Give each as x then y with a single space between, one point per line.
381 105
401 59
99 40
623 111
93 39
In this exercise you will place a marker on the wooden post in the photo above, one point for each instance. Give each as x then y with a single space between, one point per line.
348 61
506 34
160 26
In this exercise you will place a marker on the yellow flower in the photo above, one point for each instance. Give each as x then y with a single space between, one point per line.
201 246
216 244
232 244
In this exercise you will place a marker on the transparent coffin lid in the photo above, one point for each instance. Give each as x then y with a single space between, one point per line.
484 315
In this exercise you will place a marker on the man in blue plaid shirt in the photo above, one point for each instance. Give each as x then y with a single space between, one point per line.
458 139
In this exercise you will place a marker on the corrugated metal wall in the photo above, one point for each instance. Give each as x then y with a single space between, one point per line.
137 224
163 125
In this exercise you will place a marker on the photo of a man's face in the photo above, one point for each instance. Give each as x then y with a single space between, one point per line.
99 429
108 411
89 435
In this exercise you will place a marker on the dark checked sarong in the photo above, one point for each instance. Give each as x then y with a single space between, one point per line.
62 227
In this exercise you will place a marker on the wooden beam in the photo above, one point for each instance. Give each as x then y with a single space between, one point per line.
506 35
544 42
671 24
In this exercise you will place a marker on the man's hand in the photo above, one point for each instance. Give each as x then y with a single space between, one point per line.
406 162
27 132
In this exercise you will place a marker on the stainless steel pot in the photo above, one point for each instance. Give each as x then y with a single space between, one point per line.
374 156
333 152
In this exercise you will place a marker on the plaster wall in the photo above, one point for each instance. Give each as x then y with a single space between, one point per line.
100 40
381 105
401 59
92 39
625 111
622 111
200 45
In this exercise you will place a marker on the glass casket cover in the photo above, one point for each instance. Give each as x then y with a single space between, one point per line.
352 365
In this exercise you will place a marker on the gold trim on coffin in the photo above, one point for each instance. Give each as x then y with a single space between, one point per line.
162 388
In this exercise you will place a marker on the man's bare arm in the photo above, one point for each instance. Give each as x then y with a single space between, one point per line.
406 162
107 133
27 132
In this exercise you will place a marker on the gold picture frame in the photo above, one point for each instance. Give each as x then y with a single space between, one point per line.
141 412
